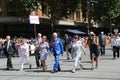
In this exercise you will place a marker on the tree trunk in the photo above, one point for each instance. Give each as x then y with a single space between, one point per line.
3 7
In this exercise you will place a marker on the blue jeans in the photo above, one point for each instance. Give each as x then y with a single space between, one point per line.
56 64
1 53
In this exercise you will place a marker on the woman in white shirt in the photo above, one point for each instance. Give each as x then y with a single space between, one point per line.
77 49
44 47
24 53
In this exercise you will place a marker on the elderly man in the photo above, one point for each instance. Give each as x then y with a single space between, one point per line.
37 54
57 48
102 43
9 49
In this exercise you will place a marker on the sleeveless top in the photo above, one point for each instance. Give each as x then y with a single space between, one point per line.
93 46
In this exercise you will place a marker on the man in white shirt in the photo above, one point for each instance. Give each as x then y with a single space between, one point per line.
9 49
116 46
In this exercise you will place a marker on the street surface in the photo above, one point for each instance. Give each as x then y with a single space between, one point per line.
108 69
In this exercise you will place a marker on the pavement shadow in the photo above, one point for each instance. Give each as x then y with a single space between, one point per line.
73 61
85 61
106 58
4 69
37 71
68 61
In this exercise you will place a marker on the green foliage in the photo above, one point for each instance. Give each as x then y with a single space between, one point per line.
106 10
20 7
61 7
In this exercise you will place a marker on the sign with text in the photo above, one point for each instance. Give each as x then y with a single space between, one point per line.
34 19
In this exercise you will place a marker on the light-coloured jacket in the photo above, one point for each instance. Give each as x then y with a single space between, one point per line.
23 50
116 41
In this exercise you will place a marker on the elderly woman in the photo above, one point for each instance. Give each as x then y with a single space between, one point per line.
24 53
77 49
44 50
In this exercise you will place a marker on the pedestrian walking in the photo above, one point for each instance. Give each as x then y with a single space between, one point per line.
1 49
77 48
68 43
44 51
9 49
24 54
57 49
102 43
94 49
37 51
116 46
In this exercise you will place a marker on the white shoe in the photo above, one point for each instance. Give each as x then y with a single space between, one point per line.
73 70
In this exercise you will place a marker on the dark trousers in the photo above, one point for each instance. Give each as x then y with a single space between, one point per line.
9 61
37 57
115 50
102 49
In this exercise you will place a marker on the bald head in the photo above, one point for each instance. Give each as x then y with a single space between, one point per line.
102 33
55 35
8 38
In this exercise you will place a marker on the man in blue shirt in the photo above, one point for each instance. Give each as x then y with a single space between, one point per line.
57 48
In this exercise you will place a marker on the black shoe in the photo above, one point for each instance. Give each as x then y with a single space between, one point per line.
68 58
7 68
59 69
54 71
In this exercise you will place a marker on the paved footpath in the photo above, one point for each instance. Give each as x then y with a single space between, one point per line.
108 69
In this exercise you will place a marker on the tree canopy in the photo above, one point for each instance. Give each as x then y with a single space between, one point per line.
62 7
101 10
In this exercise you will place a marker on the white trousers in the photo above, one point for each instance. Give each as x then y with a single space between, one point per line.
77 60
23 60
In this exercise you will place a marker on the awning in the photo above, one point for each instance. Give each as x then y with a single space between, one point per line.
75 31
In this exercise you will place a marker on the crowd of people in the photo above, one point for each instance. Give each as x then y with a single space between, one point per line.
74 47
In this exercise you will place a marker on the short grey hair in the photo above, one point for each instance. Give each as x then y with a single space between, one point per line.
39 34
55 33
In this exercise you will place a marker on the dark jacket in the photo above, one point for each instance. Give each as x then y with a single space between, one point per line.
11 48
102 40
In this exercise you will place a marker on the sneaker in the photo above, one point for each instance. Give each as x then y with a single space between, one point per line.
73 70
